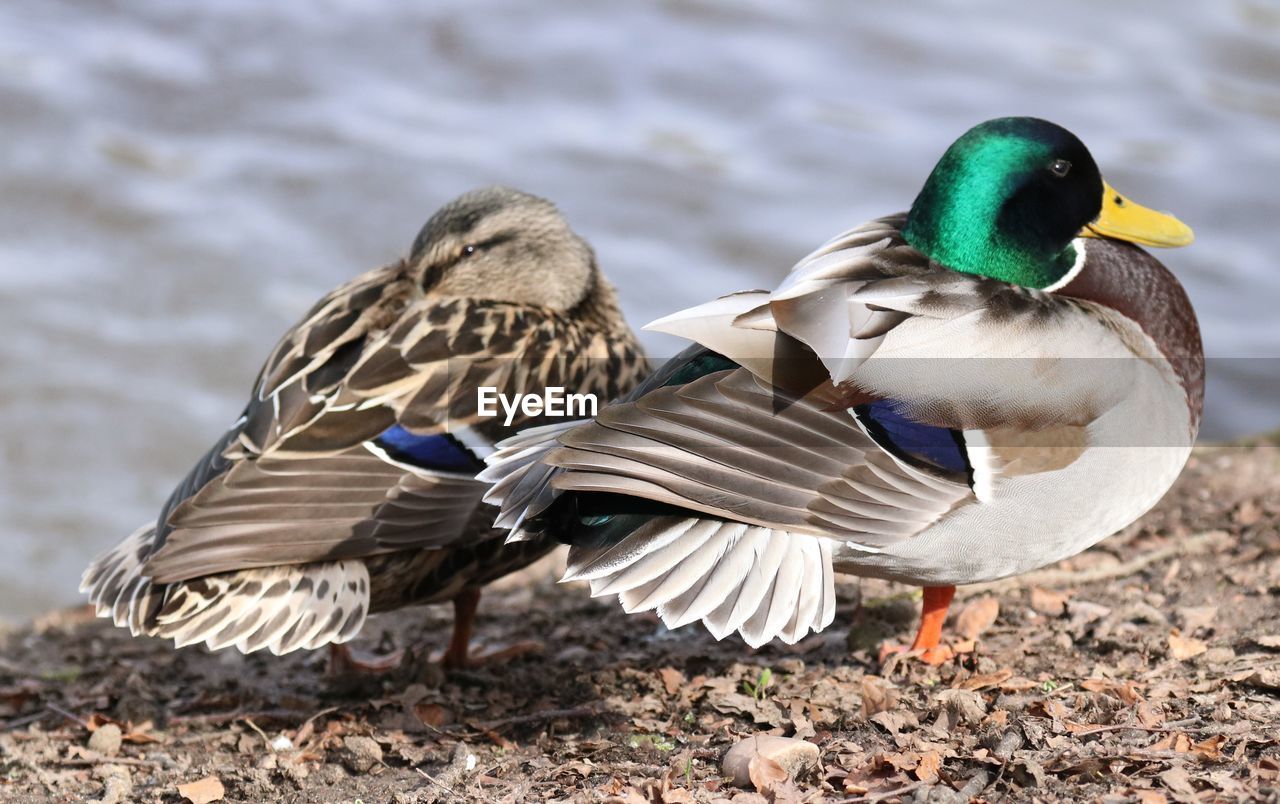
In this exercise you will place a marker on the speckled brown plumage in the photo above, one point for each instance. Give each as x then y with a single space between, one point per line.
347 484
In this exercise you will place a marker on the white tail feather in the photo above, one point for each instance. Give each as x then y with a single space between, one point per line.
281 609
520 481
760 582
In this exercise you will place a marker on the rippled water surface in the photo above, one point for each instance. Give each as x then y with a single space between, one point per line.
179 181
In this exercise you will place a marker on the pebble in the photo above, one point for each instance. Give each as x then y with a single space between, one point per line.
360 754
106 740
574 654
795 756
117 786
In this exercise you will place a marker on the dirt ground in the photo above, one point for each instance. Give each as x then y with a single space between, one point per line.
1147 669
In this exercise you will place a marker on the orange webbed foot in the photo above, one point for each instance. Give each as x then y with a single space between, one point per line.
936 655
927 646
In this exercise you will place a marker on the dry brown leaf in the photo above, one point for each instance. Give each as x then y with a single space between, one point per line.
959 706
1268 768
1018 684
764 773
1196 617
930 765
140 734
1150 797
629 795
1271 641
1178 780
977 617
1268 679
1082 613
984 680
672 679
1183 648
1149 715
877 696
433 715
906 761
875 776
802 727
892 722
1050 708
129 733
1126 691
1177 741
677 795
97 720
1210 750
1249 513
203 790
1048 602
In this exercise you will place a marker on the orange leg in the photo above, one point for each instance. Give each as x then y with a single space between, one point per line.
933 613
464 620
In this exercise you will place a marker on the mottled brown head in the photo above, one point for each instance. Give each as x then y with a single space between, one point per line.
506 245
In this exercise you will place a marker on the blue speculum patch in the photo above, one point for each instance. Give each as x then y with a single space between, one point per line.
939 447
439 451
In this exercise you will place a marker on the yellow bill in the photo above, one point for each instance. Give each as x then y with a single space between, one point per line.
1122 219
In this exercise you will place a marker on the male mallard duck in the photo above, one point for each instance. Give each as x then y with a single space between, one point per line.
984 385
347 485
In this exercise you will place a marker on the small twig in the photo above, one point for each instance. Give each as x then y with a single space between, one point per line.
312 719
73 717
535 717
106 760
871 798
218 718
1185 723
1146 756
440 785
1127 727
976 784
26 720
1010 741
260 732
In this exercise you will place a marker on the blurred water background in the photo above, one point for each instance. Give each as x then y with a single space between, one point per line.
178 182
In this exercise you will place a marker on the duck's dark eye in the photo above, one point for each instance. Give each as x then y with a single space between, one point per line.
1060 167
467 251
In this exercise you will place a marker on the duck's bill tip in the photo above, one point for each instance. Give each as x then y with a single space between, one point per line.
1122 219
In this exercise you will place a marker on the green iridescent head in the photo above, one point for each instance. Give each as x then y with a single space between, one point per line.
1008 198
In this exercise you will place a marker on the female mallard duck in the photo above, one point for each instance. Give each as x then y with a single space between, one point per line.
987 384
347 485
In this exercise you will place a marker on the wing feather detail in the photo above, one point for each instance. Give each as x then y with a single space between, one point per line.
732 576
280 609
828 477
